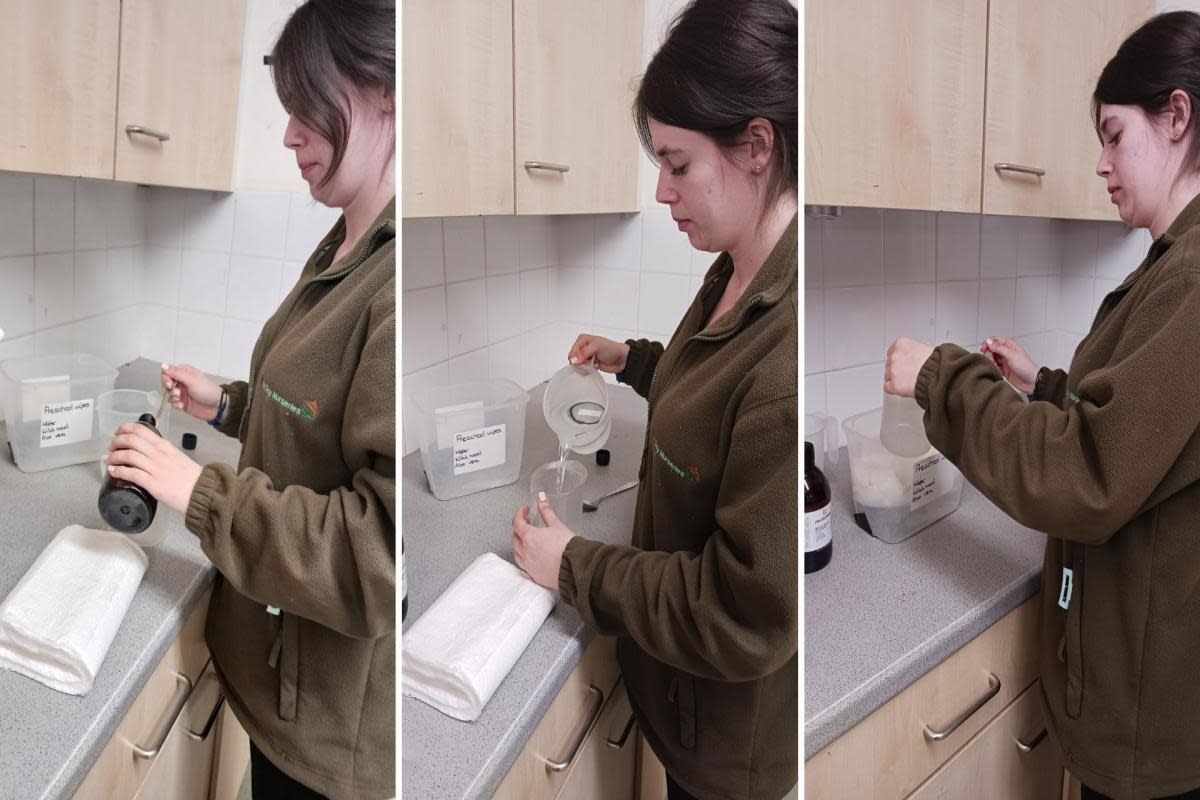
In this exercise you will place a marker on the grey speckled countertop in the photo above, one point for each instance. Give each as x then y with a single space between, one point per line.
882 615
49 740
444 758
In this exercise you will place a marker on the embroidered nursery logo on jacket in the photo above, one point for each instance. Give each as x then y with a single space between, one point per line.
689 474
306 411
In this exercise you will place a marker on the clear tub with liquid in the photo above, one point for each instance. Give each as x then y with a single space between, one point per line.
897 496
471 435
50 409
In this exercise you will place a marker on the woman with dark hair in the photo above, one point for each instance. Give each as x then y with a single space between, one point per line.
1106 458
302 620
704 601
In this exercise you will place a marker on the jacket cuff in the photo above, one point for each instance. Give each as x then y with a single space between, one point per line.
198 518
578 551
237 393
926 377
635 363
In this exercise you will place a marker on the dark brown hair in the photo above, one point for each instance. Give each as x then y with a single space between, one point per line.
723 63
324 43
1161 56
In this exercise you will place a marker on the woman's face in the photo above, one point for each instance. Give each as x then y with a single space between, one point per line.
711 199
369 149
1138 162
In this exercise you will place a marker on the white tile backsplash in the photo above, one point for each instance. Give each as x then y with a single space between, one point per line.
505 312
501 245
16 214
619 242
204 281
576 239
54 289
198 340
534 247
17 296
466 316
423 335
422 254
159 276
617 295
464 244
253 293
53 214
237 343
574 294
208 221
662 300
873 275
308 222
665 248
93 284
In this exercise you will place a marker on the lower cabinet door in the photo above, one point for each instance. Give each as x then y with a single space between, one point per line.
1010 759
184 766
606 767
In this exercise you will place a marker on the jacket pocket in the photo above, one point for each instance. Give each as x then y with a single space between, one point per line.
1074 636
289 666
682 692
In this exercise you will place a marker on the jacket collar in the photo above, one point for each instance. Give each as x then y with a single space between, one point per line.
773 281
382 230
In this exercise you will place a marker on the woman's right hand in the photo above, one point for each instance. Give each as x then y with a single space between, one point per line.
610 356
191 390
1014 363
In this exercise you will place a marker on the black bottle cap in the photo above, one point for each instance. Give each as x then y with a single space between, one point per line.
810 456
126 510
602 457
148 419
189 441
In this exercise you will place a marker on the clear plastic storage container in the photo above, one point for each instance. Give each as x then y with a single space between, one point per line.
50 409
471 435
897 496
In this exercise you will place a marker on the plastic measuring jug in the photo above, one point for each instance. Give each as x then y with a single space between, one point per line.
576 408
822 431
902 426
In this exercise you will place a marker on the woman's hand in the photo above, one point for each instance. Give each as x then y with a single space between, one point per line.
904 361
140 456
539 551
191 390
1014 363
610 355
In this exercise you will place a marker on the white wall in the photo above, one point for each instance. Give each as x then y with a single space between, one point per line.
874 275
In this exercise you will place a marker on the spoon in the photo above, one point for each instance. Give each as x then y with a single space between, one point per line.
592 505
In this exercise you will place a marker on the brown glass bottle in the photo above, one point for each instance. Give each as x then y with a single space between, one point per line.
818 520
124 505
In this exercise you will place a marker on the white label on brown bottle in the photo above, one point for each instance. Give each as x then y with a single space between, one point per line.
818 529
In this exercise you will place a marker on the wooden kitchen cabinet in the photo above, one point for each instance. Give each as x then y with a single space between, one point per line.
580 707
576 63
887 755
78 75
59 62
493 90
1010 759
183 769
1043 63
893 103
913 105
458 107
181 64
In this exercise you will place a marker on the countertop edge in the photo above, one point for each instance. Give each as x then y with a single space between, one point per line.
76 768
822 730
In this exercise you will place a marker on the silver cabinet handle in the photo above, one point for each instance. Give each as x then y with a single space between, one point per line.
1003 167
993 690
162 137
617 744
211 719
181 697
1028 748
547 165
598 703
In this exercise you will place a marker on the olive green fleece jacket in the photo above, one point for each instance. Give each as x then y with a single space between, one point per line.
302 621
1109 469
704 601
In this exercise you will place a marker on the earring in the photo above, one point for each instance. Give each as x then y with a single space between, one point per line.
758 168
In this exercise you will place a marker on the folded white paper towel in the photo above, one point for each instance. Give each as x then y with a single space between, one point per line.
57 624
460 650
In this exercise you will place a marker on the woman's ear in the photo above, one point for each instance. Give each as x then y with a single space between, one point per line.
1179 111
761 137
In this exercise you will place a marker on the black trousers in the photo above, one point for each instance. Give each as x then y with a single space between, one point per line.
269 782
1091 794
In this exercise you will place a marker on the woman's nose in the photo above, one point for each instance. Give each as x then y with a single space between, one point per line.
292 134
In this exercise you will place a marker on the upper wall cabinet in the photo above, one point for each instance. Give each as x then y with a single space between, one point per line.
164 112
458 107
59 91
181 64
1043 63
520 106
893 103
959 106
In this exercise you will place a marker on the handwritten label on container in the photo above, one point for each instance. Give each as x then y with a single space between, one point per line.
66 423
933 477
478 449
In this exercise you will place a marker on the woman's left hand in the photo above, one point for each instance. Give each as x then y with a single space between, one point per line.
904 361
140 456
539 551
